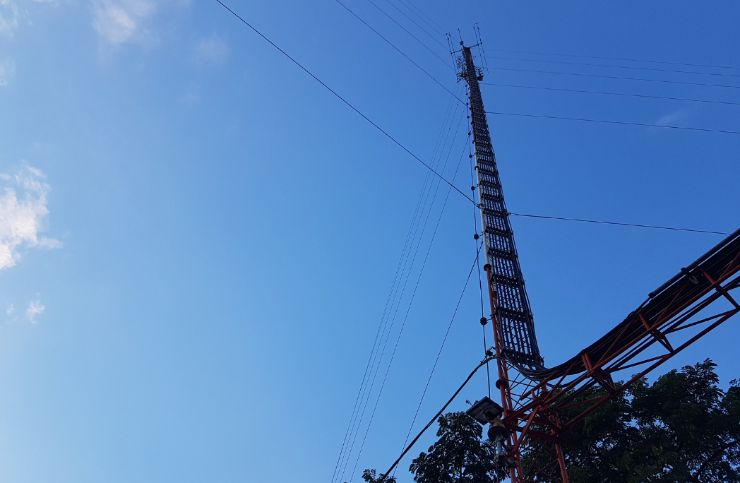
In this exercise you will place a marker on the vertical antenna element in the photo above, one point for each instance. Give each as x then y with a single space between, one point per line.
476 28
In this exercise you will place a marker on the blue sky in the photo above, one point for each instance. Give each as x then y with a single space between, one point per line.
198 240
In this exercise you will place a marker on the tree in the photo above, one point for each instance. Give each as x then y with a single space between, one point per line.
459 455
370 476
682 427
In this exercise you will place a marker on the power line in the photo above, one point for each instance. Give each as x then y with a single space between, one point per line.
421 27
628 59
442 346
407 150
406 56
617 77
343 100
611 93
612 66
485 361
617 223
424 44
401 269
413 248
607 121
409 305
423 16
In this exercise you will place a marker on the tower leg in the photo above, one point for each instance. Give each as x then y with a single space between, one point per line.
561 462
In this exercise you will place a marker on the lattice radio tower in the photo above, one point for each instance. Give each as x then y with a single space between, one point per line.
540 403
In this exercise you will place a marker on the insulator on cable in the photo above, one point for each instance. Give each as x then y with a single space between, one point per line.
483 321
472 188
487 267
476 236
489 353
502 382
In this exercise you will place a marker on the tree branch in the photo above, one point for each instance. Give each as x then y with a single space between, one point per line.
717 453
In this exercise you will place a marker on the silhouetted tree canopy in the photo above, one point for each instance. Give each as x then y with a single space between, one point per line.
682 427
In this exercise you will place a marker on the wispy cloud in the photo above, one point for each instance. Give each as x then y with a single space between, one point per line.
34 310
7 71
31 314
122 21
23 209
10 17
14 13
212 50
673 118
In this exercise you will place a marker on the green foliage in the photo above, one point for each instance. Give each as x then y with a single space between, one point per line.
370 476
682 427
459 455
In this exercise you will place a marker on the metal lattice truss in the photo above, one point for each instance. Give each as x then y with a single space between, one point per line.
539 402
513 313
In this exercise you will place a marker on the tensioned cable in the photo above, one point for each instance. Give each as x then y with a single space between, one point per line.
611 93
403 282
400 269
608 121
617 223
400 289
452 319
408 309
629 59
342 99
377 126
612 66
449 325
442 346
480 277
618 77
423 16
384 476
406 56
421 27
399 24
365 117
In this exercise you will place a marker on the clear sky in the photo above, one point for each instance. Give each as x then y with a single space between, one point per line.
198 240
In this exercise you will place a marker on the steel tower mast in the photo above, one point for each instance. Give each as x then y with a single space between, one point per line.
540 403
511 316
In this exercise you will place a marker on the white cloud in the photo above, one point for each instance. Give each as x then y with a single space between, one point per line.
673 117
34 310
31 314
122 21
7 71
10 17
23 209
212 50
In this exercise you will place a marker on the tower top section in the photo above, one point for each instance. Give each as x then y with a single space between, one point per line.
465 66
